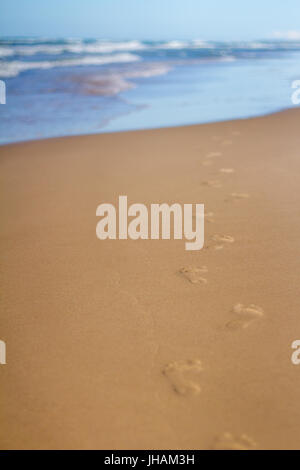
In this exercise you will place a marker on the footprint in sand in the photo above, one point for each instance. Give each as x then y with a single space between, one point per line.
219 241
213 154
184 376
194 274
244 316
227 171
209 158
223 238
240 195
229 442
212 183
208 216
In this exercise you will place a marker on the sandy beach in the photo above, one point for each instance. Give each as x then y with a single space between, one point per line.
124 344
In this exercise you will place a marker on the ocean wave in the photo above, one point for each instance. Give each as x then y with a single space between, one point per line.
14 68
199 44
178 45
15 48
106 47
149 70
110 83
173 45
94 47
6 51
74 47
19 40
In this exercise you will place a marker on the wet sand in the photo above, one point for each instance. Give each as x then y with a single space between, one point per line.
124 344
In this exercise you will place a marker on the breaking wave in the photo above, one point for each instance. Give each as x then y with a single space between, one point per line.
14 68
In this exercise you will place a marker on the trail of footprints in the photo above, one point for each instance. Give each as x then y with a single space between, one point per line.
185 376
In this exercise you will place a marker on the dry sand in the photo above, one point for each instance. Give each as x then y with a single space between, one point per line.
114 344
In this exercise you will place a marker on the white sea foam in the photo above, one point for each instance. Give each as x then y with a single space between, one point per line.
199 44
173 45
75 47
14 68
50 49
106 85
254 45
31 47
6 51
179 45
149 71
111 83
106 47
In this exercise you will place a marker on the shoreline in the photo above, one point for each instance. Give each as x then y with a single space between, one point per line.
163 85
271 113
139 344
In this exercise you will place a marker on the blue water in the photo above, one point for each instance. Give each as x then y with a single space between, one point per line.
71 86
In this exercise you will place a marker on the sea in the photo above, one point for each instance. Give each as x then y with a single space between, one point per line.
73 86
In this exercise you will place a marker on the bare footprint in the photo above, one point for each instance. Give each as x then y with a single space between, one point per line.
213 154
229 442
227 170
219 247
219 241
194 274
212 183
209 158
250 310
184 376
240 195
245 315
223 238
209 217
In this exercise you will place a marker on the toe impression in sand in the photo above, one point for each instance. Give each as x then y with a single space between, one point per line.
212 183
194 274
228 441
184 376
244 316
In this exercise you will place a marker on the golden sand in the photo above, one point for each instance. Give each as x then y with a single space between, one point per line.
124 344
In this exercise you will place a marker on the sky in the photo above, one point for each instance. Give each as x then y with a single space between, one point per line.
151 19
